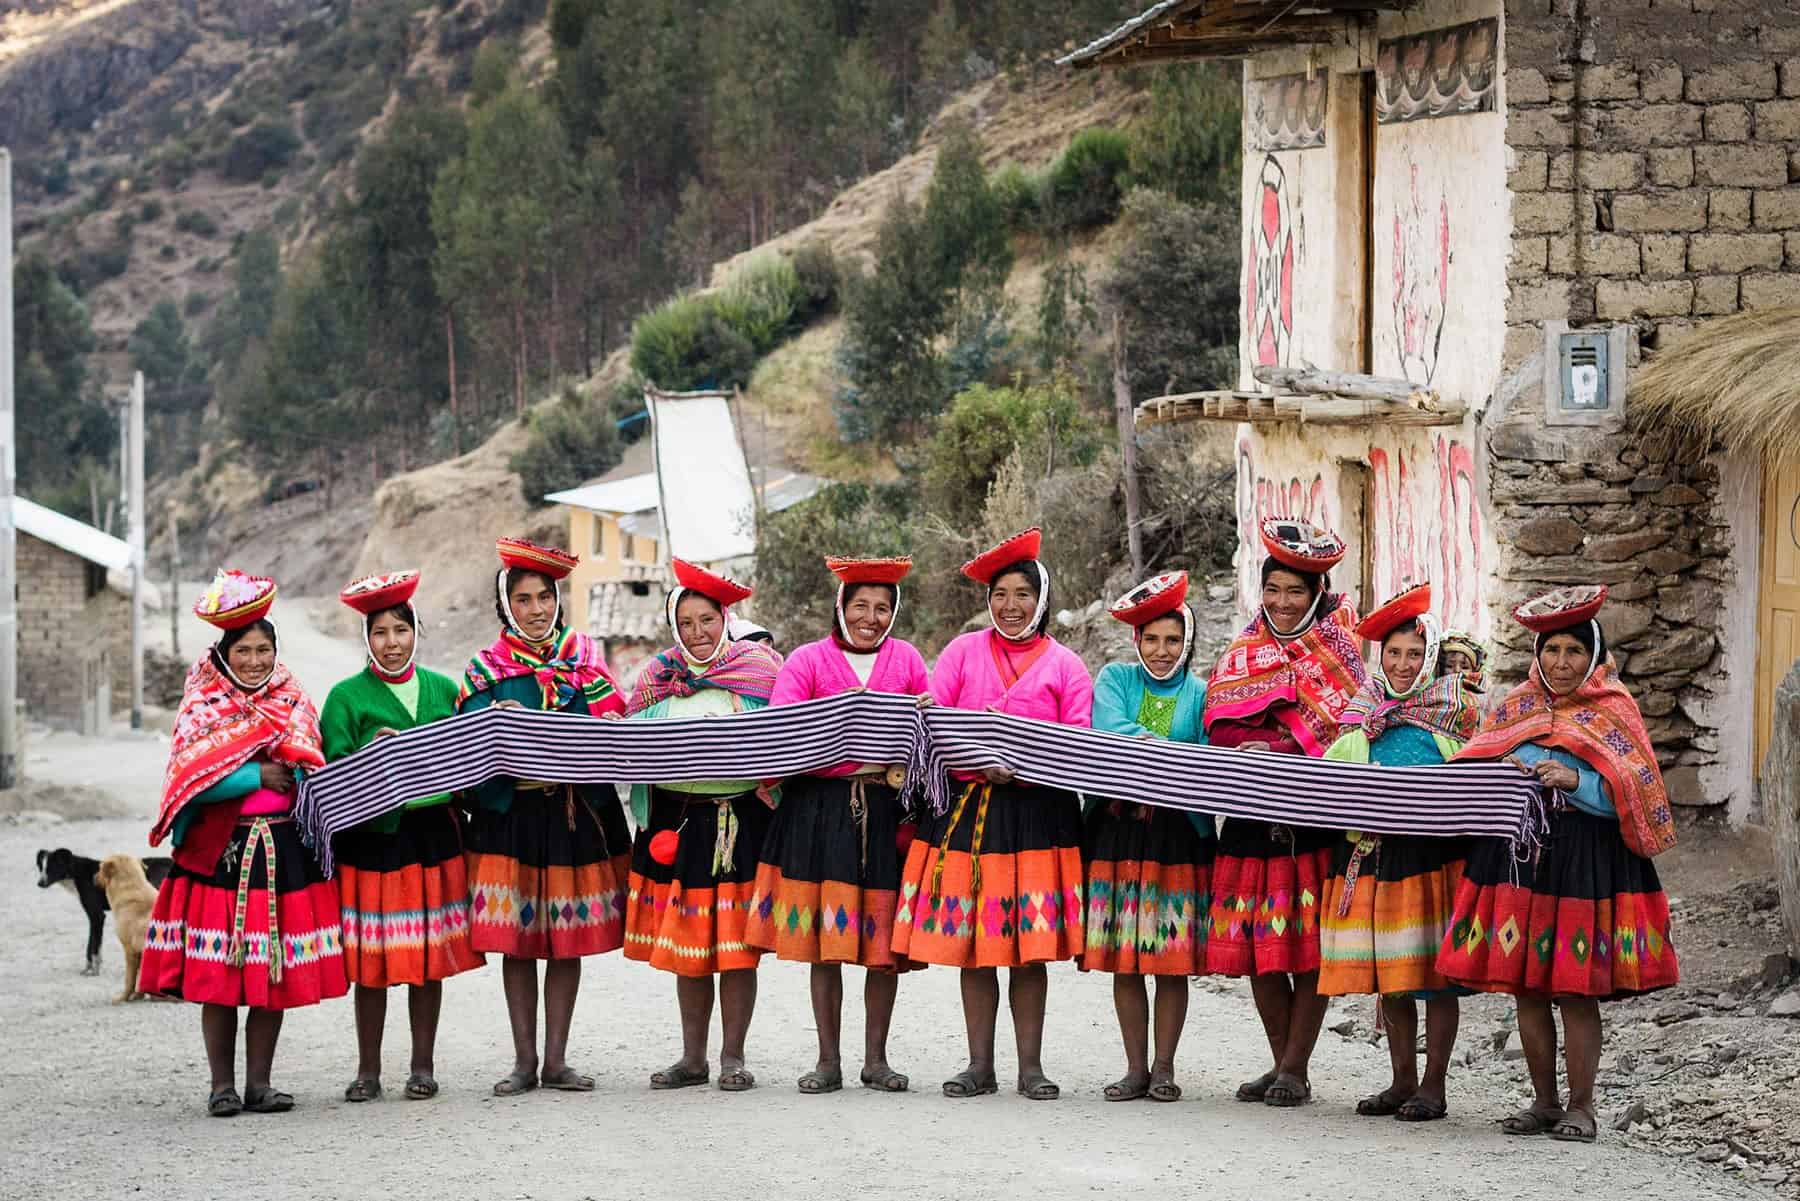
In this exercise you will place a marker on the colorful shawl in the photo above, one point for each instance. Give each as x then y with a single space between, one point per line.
1304 682
747 669
1444 707
1600 724
573 665
220 727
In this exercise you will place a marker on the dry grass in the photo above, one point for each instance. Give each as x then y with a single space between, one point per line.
1732 382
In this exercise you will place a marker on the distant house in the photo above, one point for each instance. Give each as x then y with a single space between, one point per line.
698 501
74 619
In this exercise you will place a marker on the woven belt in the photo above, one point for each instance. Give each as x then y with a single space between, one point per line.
259 831
986 791
1365 846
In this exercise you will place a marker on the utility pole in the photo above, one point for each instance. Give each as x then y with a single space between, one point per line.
1134 535
9 618
135 527
174 584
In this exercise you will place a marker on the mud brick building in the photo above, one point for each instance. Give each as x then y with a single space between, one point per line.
1474 231
74 614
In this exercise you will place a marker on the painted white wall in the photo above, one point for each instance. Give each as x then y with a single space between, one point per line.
1733 702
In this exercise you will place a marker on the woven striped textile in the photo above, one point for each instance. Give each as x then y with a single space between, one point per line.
1476 797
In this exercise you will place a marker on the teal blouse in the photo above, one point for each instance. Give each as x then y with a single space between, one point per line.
1120 694
1590 795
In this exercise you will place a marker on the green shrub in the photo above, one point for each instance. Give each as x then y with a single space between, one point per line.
1020 193
264 148
761 303
1185 250
1188 142
195 304
984 426
714 339
149 211
193 221
165 252
1085 184
571 441
816 271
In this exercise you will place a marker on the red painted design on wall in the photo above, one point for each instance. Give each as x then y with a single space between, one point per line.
1260 496
1416 540
1421 277
1269 268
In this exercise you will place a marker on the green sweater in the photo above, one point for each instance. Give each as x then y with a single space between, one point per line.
365 703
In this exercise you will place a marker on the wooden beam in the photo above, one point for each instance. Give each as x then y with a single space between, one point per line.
1314 381
1261 408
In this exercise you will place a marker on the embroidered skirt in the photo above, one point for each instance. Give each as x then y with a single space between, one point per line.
1585 917
261 930
547 876
1149 891
1381 931
1266 884
689 916
996 881
830 873
404 897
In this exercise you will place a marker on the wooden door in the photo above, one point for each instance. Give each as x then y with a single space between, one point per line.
1778 608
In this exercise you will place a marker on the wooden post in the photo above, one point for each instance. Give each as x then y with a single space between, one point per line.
9 619
174 584
134 528
1122 407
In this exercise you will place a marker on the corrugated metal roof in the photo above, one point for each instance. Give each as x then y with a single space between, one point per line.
65 533
1106 41
633 494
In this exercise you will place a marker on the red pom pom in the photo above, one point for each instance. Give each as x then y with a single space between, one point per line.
662 846
904 835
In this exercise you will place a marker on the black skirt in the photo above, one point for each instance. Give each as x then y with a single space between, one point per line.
696 816
426 837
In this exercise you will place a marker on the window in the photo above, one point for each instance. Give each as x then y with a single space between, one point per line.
597 548
95 581
627 547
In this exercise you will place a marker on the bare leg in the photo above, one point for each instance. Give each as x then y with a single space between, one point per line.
1581 1049
695 996
1537 1031
423 1004
562 981
1442 1017
827 983
519 978
1273 993
371 1017
981 1012
879 991
1305 1019
737 1002
1027 989
262 1029
1171 1016
218 1029
1131 1002
1402 1014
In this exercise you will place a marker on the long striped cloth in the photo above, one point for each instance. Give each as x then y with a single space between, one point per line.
870 727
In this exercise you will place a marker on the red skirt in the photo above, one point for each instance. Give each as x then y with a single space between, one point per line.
1584 917
546 877
996 882
1267 881
208 944
405 900
686 917
1149 894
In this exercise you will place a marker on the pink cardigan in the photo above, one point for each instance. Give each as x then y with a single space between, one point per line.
819 670
1055 688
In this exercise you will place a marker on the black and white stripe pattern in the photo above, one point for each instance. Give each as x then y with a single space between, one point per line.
871 727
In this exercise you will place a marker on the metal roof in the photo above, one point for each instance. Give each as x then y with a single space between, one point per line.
633 494
1189 29
65 533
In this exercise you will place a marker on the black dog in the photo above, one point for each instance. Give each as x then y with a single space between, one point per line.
76 872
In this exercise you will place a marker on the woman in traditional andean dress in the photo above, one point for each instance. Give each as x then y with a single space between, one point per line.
996 882
245 917
402 882
1388 901
1149 868
1279 689
547 859
829 876
693 867
1584 918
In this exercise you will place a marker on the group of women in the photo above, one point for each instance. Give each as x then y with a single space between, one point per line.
832 869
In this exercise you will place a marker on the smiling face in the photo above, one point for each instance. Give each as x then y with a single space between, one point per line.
391 638
252 658
532 599
1402 658
700 624
1012 602
868 613
1564 661
1160 643
1286 598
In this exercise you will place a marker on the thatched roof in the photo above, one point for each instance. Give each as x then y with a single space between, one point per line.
1735 381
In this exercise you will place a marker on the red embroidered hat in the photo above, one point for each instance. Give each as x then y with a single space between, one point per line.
1156 597
521 554
373 593
869 571
1562 608
717 587
1411 603
235 599
1301 544
1023 545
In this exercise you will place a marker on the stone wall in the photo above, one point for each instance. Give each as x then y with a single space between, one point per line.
1655 178
61 628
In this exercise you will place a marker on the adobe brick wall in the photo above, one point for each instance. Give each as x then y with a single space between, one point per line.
1655 180
60 627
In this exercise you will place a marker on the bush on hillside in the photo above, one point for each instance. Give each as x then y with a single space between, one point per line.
963 220
1177 250
265 147
1020 194
193 221
1189 140
713 339
794 593
816 270
1084 185
571 441
984 426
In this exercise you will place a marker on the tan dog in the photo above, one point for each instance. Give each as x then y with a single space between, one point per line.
129 895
